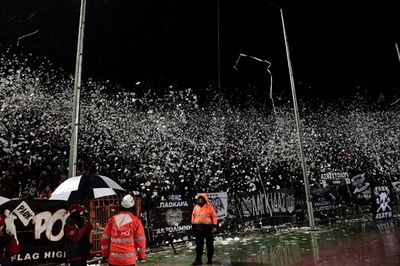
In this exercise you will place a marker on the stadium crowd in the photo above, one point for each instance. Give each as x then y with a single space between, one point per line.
177 142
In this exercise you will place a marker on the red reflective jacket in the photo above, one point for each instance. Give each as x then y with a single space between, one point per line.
205 215
123 239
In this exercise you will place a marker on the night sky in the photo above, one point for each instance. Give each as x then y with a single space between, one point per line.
334 46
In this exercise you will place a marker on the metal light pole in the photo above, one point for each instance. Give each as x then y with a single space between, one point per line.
73 154
218 51
299 134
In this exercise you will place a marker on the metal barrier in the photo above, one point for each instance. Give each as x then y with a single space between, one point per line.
101 210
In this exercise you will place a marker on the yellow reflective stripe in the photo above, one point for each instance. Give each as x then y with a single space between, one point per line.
202 215
204 218
123 255
142 249
121 240
105 247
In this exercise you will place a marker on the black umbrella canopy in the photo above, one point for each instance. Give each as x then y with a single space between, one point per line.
86 187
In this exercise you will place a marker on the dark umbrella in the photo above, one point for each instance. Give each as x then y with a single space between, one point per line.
86 187
4 200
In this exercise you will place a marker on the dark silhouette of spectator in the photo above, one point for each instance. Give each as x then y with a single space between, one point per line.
6 183
18 168
46 177
46 193
60 158
60 174
27 175
31 190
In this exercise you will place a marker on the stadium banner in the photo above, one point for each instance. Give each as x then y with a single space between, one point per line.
272 203
382 207
171 222
37 226
324 199
361 188
335 178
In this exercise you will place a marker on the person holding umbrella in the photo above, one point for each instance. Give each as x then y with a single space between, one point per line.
123 238
77 236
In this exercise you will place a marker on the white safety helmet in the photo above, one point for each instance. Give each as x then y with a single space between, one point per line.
128 201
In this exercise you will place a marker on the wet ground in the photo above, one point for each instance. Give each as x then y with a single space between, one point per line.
354 243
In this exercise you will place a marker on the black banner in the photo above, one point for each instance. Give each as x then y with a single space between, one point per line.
324 199
273 203
335 178
382 206
37 225
172 221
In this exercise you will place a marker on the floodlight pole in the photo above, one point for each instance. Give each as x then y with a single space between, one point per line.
299 134
73 154
218 51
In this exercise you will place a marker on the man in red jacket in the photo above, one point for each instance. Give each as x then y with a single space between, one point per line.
123 238
77 236
8 244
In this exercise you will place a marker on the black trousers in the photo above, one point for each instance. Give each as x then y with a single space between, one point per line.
78 263
206 235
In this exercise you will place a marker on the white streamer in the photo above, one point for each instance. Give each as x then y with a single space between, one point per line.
270 74
26 35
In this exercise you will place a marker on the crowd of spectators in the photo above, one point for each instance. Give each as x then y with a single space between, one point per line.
176 142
